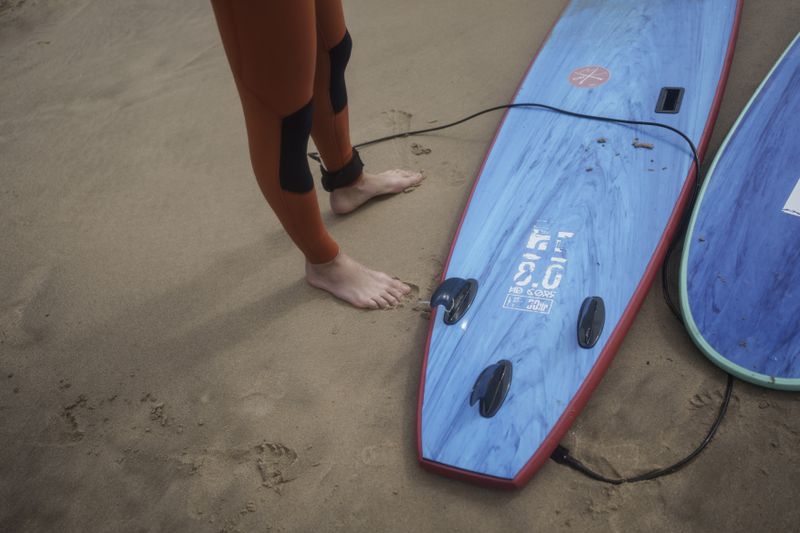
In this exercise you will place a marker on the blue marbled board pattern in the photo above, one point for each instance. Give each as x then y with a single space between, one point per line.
548 171
741 272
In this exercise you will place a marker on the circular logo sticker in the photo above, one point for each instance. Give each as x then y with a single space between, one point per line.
589 77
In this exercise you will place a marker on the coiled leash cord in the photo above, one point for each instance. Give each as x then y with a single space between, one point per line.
561 454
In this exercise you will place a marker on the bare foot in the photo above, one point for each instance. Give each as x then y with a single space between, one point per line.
368 186
356 284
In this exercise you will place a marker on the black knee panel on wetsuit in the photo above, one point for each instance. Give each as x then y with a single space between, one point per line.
340 55
295 176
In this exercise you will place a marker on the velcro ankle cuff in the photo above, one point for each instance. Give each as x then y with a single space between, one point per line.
344 176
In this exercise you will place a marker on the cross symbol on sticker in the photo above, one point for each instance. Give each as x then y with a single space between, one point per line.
589 77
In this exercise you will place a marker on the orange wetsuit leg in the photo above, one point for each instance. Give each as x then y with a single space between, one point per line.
271 47
330 128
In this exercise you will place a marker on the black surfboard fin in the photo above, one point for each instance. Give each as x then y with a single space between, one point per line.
456 296
491 388
591 319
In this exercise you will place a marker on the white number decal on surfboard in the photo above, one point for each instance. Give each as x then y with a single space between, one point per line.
535 288
792 206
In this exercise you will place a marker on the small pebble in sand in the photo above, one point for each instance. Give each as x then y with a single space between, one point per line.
589 169
602 140
418 149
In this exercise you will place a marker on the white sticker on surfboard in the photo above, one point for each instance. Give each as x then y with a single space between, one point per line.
539 274
792 206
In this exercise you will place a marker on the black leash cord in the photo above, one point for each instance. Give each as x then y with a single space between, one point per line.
561 454
315 155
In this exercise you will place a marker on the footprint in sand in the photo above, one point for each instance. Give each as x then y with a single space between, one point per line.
702 399
261 402
276 463
69 413
269 464
398 120
385 454
20 325
256 405
455 178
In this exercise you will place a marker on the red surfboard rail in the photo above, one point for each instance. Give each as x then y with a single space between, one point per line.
580 399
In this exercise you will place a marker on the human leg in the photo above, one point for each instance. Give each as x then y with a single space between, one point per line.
343 173
271 48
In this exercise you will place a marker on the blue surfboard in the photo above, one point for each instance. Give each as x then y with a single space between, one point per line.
740 271
566 226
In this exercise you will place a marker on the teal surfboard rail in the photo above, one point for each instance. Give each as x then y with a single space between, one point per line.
740 270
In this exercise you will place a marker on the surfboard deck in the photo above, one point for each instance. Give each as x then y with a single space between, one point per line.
564 209
740 270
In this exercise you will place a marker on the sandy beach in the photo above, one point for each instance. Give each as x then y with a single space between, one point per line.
165 367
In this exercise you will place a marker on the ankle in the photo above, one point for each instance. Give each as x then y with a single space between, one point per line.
358 185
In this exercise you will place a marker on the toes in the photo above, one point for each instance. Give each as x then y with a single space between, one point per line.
380 302
367 304
397 293
390 298
400 286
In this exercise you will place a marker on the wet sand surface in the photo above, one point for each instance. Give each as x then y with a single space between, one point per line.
164 366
